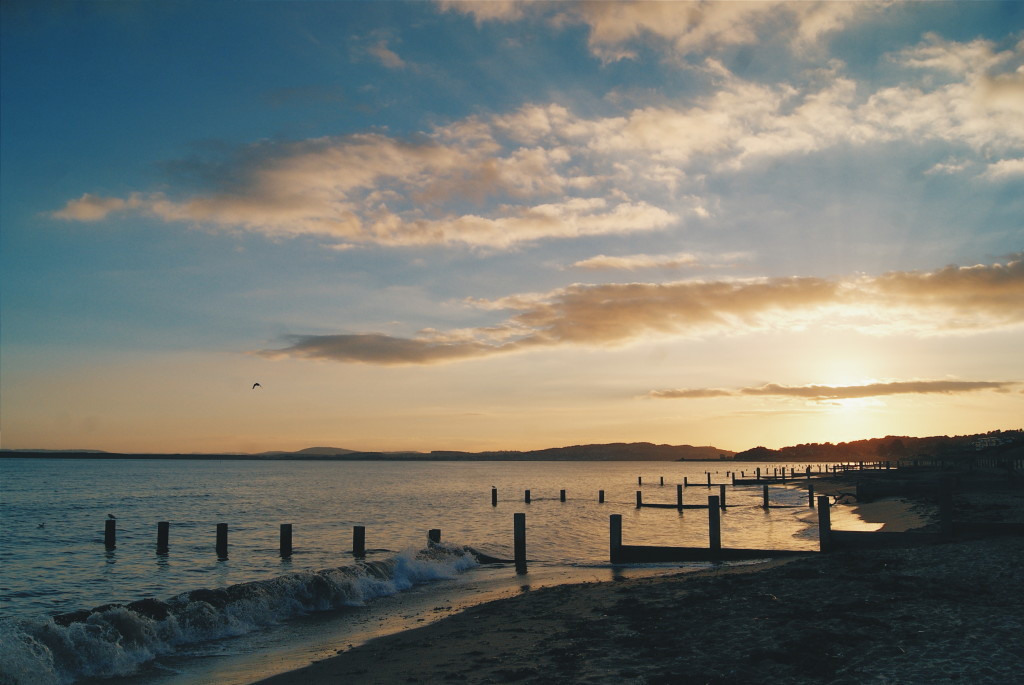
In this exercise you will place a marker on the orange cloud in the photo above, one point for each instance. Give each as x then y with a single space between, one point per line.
952 299
829 392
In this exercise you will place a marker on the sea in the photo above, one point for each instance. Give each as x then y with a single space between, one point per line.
73 610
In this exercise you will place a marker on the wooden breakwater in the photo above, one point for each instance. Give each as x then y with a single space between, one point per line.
949 527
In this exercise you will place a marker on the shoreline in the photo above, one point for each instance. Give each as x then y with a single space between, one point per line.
940 613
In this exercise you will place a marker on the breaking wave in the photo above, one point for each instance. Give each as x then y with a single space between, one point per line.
115 639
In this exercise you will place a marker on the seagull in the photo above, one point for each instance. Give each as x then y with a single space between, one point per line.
256 385
111 516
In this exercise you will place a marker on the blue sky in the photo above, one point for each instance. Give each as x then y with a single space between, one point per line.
504 225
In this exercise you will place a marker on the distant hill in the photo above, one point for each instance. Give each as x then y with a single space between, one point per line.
634 451
312 451
637 451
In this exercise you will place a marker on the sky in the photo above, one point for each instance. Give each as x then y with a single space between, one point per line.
508 225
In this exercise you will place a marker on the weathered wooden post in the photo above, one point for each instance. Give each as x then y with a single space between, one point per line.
561 495
709 479
615 537
163 535
784 474
824 524
686 482
721 495
639 499
639 480
758 477
526 497
286 539
494 497
679 496
222 541
810 496
661 480
764 497
519 541
714 524
809 470
359 541
110 533
433 536
946 507
600 496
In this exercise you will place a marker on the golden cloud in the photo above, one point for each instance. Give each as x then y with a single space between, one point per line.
948 300
842 392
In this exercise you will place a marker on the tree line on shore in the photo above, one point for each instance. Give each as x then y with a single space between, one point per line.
893 448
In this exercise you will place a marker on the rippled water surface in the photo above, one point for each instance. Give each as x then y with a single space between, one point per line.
53 512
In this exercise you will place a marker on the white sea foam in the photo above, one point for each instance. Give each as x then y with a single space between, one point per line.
117 639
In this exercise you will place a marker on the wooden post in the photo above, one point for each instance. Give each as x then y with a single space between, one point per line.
734 478
810 496
163 535
494 497
824 525
946 507
110 534
600 496
679 496
615 537
519 541
286 539
433 536
686 482
662 480
222 541
758 473
639 480
765 497
709 479
714 524
784 474
639 499
359 541
526 497
721 495
561 495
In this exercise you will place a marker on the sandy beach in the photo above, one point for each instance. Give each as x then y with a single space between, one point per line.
943 613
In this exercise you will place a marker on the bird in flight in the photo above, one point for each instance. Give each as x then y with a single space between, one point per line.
256 385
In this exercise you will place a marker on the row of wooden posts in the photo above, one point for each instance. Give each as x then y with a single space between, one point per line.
527 498
163 538
618 552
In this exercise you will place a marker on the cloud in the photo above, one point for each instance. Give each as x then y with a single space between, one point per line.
639 261
379 349
388 57
678 260
495 181
1005 169
842 392
618 29
951 300
91 208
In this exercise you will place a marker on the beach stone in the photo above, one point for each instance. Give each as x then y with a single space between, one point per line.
150 608
71 617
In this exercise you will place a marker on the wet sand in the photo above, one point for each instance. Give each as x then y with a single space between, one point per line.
952 612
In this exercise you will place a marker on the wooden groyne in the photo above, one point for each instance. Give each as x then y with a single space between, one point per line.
620 553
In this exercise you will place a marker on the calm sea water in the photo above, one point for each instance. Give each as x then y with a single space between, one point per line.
53 560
